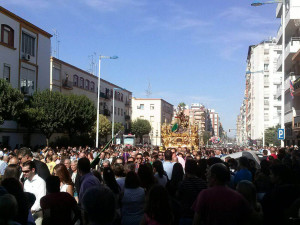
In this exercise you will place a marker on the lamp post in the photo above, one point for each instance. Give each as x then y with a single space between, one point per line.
283 55
113 117
98 95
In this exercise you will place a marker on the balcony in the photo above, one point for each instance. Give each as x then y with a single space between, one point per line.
103 95
296 123
277 79
66 84
290 50
277 103
297 87
127 117
278 92
127 103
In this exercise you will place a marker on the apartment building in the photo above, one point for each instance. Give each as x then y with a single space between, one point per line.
24 62
156 111
262 80
197 114
215 122
69 79
292 68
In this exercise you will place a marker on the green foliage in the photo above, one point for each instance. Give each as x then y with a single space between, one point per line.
118 127
206 136
104 126
11 102
182 105
48 111
81 115
65 141
221 131
271 136
140 127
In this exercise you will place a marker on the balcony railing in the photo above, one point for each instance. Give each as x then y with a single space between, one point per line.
127 103
67 84
103 95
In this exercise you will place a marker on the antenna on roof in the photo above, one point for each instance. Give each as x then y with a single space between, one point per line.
148 90
55 49
93 64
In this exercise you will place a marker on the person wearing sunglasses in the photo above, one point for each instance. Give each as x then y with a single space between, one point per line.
36 185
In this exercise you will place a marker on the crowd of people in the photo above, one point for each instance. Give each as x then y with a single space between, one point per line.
128 186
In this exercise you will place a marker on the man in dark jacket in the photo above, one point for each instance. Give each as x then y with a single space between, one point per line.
24 155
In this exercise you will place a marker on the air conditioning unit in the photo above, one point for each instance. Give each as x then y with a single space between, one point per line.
26 57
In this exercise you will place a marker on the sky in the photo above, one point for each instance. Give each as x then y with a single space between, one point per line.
189 51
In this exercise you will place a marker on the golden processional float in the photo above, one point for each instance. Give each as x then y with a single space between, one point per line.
180 133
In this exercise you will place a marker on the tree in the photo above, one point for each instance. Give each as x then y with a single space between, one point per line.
182 105
48 111
11 102
104 126
221 131
81 115
118 127
271 136
140 127
206 136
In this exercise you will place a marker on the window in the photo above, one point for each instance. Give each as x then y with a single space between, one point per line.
7 35
6 72
81 82
111 93
151 106
56 74
121 112
118 111
142 117
142 106
75 80
121 97
266 67
87 84
92 86
28 44
28 78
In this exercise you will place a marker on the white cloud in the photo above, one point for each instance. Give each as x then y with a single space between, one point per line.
245 16
111 5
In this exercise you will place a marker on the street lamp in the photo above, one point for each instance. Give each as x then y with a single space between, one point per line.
283 55
113 117
98 95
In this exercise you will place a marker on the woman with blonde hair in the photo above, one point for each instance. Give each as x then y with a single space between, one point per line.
66 184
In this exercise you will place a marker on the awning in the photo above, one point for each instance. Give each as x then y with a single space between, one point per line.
296 57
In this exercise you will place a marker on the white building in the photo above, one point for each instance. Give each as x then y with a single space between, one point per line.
156 111
215 122
292 68
262 81
24 62
69 79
